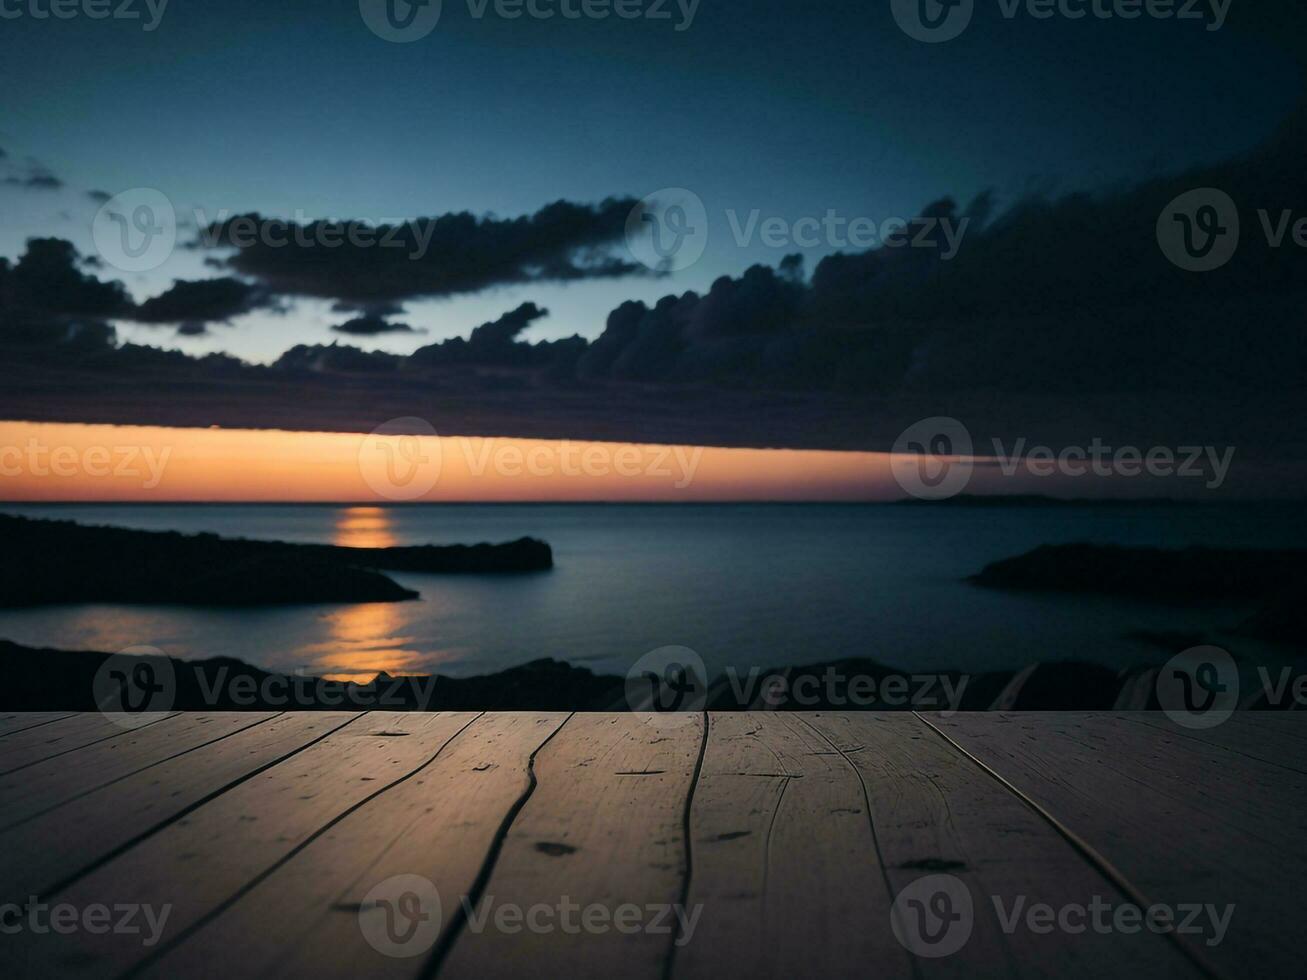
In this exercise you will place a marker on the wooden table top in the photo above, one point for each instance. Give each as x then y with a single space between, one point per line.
464 844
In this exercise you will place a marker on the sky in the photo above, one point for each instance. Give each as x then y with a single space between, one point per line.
787 109
109 463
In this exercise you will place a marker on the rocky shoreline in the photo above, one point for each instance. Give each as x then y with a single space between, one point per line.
50 561
1272 581
63 680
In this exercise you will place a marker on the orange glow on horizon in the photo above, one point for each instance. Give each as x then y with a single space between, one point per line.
106 463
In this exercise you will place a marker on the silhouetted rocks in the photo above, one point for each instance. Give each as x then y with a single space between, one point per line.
1186 575
45 561
61 680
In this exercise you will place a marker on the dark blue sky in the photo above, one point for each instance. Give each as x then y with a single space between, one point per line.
791 108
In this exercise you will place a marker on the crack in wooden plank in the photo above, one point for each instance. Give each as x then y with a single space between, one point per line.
1101 864
262 876
85 745
135 772
670 962
185 812
39 724
474 894
871 822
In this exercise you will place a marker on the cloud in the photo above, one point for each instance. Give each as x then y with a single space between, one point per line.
359 263
1058 296
48 306
383 309
203 301
33 176
495 343
46 300
40 181
1057 317
371 326
46 281
335 358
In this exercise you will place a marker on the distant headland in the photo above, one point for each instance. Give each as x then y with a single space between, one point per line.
47 561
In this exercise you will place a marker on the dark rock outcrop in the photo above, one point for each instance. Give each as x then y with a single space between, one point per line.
45 561
1185 575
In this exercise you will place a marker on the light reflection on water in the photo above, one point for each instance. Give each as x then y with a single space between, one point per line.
364 527
744 586
361 642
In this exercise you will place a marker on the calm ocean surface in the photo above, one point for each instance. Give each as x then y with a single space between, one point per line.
741 584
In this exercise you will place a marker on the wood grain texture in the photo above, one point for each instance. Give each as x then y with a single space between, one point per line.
21 721
439 825
203 859
36 790
1267 744
1185 821
936 813
57 738
96 824
785 865
603 829
276 842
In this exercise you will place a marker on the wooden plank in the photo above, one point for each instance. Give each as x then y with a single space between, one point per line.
194 865
1266 744
604 829
36 790
59 738
439 825
1184 821
785 865
1286 728
936 813
20 721
98 823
